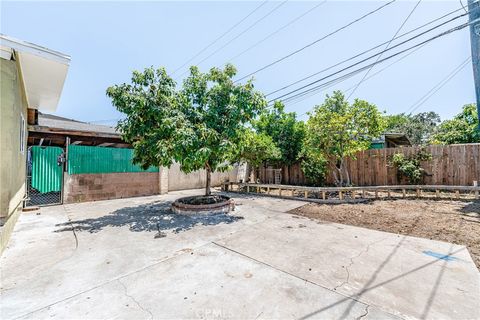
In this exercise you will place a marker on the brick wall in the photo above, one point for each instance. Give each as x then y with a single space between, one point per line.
103 186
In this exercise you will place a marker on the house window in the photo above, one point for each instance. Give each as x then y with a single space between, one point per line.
22 134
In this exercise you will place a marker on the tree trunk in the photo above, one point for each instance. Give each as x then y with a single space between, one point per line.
349 182
209 178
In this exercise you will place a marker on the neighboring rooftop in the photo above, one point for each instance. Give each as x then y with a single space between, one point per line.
53 121
391 140
53 130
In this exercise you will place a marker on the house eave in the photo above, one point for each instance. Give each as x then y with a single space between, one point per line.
42 71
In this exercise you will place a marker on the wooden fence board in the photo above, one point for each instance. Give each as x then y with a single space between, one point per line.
450 165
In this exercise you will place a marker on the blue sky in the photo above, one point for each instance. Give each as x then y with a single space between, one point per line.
107 40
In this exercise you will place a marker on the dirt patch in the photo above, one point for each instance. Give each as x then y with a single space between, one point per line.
201 200
451 221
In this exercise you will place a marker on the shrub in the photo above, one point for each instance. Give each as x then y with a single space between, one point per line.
409 167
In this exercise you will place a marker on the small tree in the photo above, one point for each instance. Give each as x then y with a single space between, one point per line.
199 126
256 148
463 128
314 165
286 131
338 130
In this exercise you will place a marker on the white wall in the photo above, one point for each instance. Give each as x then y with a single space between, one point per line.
178 180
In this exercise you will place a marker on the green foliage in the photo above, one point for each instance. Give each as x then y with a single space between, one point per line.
409 167
463 128
287 133
337 129
256 148
199 126
418 128
314 167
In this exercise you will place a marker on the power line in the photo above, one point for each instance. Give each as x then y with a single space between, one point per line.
461 3
241 33
438 86
386 47
316 41
366 79
366 67
376 47
389 65
220 37
462 26
277 31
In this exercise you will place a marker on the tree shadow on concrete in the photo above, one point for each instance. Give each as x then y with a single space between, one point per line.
154 216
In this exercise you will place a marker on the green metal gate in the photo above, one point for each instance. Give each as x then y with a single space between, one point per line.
44 175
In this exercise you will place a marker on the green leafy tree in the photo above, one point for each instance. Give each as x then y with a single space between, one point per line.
418 128
463 128
200 125
256 148
314 165
337 130
286 131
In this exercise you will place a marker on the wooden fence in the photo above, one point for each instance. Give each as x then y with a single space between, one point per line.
457 165
356 194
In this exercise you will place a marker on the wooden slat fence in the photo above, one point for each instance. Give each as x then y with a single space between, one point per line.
457 165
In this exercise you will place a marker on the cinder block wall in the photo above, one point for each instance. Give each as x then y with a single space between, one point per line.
178 180
104 186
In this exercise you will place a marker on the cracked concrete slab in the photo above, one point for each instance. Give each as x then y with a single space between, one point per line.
381 269
271 265
212 282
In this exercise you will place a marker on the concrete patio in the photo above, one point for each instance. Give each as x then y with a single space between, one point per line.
133 259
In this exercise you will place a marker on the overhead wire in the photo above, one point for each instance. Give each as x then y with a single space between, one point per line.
363 68
378 46
438 86
241 33
366 79
277 30
316 41
220 37
386 47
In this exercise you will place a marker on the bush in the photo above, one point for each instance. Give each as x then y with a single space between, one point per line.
409 167
314 167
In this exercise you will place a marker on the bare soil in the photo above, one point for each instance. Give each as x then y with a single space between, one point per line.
201 200
451 221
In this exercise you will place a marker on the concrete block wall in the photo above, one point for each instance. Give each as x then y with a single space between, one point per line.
104 186
178 180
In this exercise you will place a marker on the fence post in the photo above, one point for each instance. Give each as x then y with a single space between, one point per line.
306 194
475 184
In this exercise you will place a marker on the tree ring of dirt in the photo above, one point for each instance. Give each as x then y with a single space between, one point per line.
213 204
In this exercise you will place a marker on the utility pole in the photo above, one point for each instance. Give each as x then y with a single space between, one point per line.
474 15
